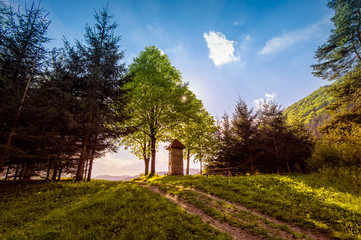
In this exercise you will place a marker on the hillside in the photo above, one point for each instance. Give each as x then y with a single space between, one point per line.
311 110
247 207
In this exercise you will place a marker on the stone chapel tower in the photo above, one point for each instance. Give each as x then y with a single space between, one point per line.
175 166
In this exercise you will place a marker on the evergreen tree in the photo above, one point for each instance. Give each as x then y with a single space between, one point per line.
96 72
244 127
22 58
342 51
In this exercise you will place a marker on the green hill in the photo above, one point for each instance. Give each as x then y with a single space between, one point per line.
311 110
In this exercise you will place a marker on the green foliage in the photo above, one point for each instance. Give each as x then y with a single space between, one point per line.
311 110
64 113
341 147
97 210
341 53
262 142
162 107
350 178
300 199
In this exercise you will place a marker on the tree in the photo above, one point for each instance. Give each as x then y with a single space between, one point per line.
96 74
154 97
340 59
244 127
196 131
22 57
272 128
342 52
284 147
226 156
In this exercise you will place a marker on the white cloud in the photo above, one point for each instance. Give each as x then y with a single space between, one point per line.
161 51
287 39
176 50
269 97
221 50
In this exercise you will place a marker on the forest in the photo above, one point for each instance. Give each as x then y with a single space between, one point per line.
63 108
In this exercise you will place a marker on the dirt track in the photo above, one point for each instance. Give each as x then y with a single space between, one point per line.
252 225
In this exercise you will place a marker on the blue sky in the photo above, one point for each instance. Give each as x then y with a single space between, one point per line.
224 49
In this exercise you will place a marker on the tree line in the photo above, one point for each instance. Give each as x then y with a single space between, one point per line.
55 103
62 108
261 140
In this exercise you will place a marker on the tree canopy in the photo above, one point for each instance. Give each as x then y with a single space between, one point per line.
159 104
342 51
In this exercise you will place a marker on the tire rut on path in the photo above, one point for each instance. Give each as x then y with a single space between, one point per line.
245 223
309 233
190 208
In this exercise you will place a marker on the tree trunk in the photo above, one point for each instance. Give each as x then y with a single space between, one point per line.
55 173
15 123
48 172
146 165
288 167
200 163
60 170
7 172
22 171
90 168
152 165
251 159
277 155
188 156
16 171
80 170
85 172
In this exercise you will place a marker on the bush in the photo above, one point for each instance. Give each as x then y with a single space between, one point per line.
339 148
345 179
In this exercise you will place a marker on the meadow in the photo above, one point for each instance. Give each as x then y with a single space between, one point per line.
305 200
126 210
95 210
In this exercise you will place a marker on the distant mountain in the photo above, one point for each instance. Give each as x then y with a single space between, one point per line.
116 178
311 110
128 177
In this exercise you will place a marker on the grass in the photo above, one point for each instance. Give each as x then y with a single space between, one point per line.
299 199
225 212
96 210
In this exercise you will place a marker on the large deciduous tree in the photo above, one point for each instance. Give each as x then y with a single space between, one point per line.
195 130
154 98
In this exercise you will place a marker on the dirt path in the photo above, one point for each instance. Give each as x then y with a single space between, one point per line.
238 221
191 209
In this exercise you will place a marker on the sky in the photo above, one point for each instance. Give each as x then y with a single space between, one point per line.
253 49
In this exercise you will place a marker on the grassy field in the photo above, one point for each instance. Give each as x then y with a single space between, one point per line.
96 210
121 210
302 199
